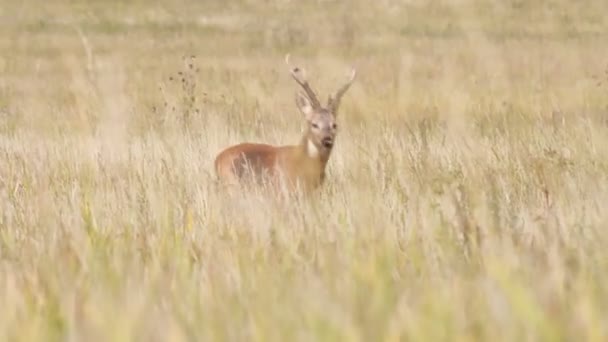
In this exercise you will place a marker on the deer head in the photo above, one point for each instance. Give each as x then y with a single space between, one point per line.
322 127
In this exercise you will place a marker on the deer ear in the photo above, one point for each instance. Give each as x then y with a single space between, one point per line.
304 105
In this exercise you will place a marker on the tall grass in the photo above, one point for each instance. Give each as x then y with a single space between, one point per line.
465 197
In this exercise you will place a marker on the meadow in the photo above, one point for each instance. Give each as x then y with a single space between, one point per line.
465 198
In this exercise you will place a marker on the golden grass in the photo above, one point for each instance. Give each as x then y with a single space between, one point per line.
465 197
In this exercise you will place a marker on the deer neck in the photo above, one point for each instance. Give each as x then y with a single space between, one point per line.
310 152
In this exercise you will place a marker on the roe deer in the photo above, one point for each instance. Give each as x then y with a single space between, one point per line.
298 166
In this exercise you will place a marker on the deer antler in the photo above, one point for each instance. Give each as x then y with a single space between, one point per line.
299 75
334 100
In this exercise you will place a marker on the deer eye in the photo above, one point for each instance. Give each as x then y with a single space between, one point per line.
314 125
334 126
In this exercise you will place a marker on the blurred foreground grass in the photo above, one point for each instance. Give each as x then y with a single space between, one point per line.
465 198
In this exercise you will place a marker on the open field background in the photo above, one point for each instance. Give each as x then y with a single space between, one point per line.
466 197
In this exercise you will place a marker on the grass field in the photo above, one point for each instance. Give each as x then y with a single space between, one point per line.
466 196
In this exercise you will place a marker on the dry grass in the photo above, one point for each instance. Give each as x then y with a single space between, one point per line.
464 199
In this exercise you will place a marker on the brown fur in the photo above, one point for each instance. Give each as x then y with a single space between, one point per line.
253 162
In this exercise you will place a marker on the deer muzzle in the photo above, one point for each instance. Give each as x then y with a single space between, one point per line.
328 142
